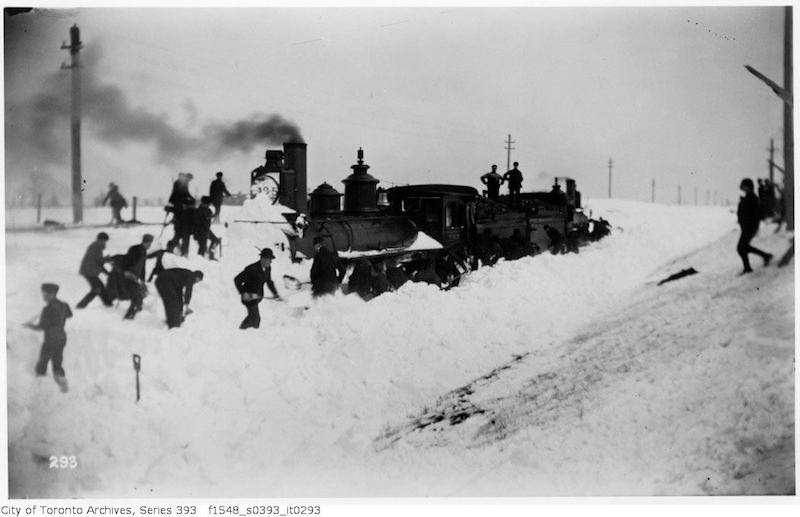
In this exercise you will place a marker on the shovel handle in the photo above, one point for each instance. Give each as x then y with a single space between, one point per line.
137 362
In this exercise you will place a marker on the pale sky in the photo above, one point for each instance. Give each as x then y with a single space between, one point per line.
429 93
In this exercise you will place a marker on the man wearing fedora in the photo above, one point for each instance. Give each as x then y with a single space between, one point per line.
250 284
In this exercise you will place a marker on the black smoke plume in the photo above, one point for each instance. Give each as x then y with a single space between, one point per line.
258 130
37 130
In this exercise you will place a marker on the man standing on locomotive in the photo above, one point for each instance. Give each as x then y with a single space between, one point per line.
514 180
492 180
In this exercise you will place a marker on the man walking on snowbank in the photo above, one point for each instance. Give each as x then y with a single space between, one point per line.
749 214
52 320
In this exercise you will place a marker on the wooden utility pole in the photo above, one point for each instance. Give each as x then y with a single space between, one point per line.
679 194
786 93
788 120
653 192
610 163
509 149
74 48
771 160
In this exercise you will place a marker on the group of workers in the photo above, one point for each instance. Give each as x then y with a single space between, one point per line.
190 219
493 180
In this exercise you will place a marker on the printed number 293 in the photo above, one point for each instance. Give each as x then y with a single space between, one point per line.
63 462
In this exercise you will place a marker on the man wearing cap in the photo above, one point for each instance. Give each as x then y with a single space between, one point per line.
514 180
51 321
492 180
133 269
216 192
92 266
174 285
327 271
250 284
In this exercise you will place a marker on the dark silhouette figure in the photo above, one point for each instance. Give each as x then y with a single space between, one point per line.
749 215
51 321
492 180
360 281
217 191
514 180
182 206
428 274
116 201
92 266
175 285
556 239
380 282
327 271
396 275
250 284
133 269
202 228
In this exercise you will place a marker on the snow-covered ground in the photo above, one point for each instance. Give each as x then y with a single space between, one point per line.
551 375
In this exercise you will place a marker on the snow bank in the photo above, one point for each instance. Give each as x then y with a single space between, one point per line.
293 407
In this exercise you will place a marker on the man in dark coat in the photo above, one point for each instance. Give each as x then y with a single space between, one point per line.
51 321
396 275
492 180
360 281
133 269
116 201
556 239
174 285
749 215
327 271
380 282
202 228
514 180
428 274
92 266
182 206
216 192
250 284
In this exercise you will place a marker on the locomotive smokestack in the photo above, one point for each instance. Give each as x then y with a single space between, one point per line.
295 193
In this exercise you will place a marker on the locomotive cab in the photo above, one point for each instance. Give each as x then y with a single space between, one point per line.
441 211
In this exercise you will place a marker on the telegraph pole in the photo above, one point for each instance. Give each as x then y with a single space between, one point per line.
653 192
786 93
509 149
74 48
610 163
772 160
788 121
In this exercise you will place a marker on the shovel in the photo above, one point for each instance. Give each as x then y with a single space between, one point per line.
137 365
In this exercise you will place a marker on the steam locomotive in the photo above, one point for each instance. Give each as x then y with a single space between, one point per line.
453 225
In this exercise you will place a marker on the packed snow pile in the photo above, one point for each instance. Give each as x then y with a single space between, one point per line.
299 407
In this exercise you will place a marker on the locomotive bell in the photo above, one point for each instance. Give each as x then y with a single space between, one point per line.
360 196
